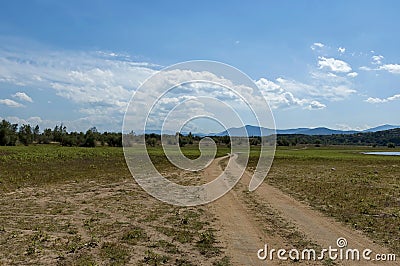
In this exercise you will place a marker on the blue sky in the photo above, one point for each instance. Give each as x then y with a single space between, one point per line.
319 63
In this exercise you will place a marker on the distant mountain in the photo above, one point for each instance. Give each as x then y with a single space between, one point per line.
261 131
241 131
155 131
292 130
324 131
381 128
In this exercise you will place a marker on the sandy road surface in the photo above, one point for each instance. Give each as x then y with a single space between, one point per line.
239 232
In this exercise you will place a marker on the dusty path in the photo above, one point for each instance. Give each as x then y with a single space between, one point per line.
239 233
243 236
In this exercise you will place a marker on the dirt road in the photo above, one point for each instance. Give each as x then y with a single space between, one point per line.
243 234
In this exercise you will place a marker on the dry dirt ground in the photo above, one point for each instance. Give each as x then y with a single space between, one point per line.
96 222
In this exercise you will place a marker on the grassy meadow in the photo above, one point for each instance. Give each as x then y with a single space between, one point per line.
360 190
80 206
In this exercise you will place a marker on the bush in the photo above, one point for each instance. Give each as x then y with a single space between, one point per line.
391 145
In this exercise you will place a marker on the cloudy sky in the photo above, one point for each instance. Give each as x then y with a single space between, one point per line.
318 63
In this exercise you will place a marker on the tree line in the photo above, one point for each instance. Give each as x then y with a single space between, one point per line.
389 138
12 134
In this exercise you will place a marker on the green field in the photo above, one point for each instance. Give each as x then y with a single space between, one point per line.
81 206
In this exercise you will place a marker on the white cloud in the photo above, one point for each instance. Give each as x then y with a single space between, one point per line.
377 59
315 105
392 68
331 86
348 127
35 120
23 97
322 86
365 68
316 45
10 103
352 74
75 75
383 100
216 87
97 84
341 50
278 96
333 64
297 87
102 122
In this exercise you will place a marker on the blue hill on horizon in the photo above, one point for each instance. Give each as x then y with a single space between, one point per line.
261 131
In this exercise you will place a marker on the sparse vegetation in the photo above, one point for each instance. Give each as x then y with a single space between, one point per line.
135 235
79 206
114 253
360 190
206 244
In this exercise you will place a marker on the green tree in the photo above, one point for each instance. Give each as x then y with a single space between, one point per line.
59 132
25 134
254 141
151 142
90 139
283 141
190 138
113 139
46 137
36 133
318 143
8 133
182 140
391 145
